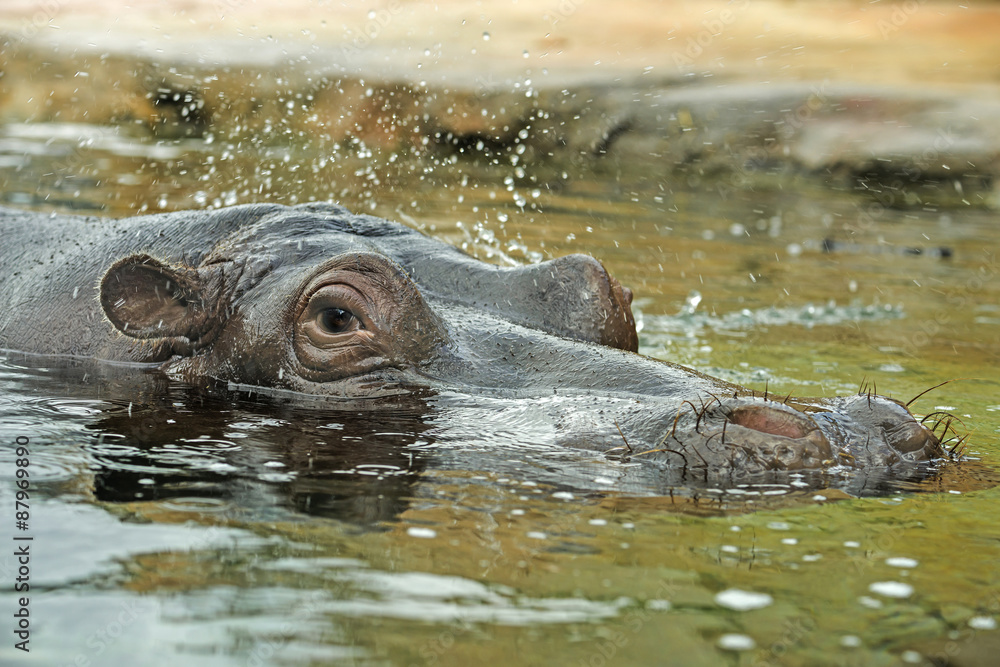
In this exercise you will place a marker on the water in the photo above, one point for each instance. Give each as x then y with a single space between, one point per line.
215 527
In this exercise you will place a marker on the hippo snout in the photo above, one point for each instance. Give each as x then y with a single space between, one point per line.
778 438
751 434
746 434
880 430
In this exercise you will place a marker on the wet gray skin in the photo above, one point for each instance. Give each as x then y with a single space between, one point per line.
318 301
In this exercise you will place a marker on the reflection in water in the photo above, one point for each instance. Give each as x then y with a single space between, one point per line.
151 439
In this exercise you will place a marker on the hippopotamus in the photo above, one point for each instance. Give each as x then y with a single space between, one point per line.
314 302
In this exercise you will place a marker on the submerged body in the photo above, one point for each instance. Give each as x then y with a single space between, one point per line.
316 300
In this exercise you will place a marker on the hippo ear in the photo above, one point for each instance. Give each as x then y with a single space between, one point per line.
145 298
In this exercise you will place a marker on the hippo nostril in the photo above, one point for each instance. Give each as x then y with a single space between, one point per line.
771 421
903 433
775 437
910 437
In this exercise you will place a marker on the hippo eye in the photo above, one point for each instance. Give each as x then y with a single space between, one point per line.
337 320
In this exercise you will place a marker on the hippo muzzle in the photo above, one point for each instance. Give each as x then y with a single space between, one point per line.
752 434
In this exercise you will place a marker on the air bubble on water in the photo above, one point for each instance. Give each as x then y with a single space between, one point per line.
736 642
421 532
870 602
372 14
891 589
740 600
525 53
486 36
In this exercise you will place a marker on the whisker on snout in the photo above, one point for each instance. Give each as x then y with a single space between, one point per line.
959 447
940 412
912 400
624 439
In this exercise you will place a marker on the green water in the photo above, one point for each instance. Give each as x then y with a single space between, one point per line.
470 566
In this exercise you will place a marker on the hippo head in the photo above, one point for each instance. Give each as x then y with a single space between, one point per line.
316 300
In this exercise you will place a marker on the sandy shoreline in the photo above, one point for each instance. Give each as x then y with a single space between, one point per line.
490 44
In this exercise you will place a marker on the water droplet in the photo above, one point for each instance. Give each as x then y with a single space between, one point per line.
740 600
690 303
486 36
427 533
891 589
736 642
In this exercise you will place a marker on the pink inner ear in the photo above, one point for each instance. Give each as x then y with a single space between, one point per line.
768 420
